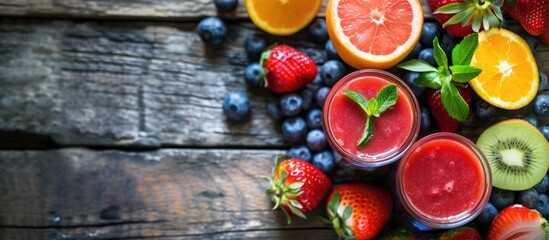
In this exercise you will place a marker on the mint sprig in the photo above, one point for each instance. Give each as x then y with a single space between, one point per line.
446 77
385 98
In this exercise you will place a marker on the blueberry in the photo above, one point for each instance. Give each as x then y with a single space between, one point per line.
331 51
316 140
308 97
426 122
532 41
226 6
337 158
545 131
488 214
316 82
300 152
542 81
236 106
273 109
212 31
321 95
541 105
291 104
317 30
410 79
254 46
528 197
543 185
324 161
314 118
428 56
542 205
430 31
294 129
485 110
447 43
253 75
531 119
415 52
331 71
502 198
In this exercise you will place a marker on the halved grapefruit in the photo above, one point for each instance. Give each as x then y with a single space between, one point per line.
374 33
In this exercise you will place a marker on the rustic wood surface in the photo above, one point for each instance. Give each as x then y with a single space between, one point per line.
111 125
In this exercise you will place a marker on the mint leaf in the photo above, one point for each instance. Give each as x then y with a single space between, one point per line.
464 73
368 132
386 97
463 52
372 107
440 55
416 65
357 98
429 79
452 101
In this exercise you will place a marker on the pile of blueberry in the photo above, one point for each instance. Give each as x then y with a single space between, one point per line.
300 113
534 198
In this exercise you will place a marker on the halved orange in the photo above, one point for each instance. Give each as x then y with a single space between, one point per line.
282 17
509 77
374 33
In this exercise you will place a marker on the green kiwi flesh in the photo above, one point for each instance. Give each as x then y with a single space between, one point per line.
517 153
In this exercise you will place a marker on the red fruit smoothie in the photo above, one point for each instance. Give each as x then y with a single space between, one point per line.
344 120
444 179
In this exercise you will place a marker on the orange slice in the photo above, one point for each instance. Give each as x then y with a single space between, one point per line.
509 77
282 17
374 33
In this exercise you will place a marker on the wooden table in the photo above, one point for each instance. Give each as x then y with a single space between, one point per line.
111 125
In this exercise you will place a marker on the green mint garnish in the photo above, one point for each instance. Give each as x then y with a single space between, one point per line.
385 98
445 77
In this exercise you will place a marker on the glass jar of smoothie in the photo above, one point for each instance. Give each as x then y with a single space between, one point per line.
344 120
443 181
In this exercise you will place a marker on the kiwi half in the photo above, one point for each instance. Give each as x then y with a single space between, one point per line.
517 153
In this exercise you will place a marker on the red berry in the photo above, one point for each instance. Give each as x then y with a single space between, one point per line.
286 69
444 121
297 186
359 210
532 15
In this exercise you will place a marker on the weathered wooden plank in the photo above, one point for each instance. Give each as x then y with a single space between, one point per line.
128 9
166 194
128 84
138 84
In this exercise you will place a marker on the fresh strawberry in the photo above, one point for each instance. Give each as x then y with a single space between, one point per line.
446 13
518 222
358 210
286 69
461 233
297 186
532 15
444 121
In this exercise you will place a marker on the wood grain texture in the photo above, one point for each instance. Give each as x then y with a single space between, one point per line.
130 9
127 84
167 194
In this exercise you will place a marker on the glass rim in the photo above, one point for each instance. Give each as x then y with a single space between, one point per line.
385 160
453 221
